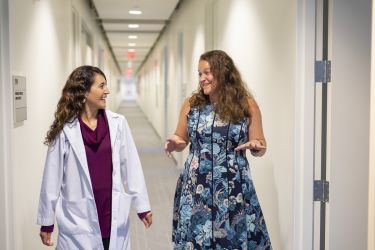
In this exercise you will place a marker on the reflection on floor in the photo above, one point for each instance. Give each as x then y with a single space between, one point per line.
161 176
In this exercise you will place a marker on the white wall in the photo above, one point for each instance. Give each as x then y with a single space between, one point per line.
6 215
41 49
261 38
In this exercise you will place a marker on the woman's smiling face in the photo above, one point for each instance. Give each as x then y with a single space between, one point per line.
206 78
97 95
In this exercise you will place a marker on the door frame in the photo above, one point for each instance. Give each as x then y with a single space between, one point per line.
6 121
304 125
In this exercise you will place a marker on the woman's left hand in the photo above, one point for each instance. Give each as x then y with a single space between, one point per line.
147 220
254 145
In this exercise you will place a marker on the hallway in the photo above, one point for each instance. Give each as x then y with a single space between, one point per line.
161 175
309 64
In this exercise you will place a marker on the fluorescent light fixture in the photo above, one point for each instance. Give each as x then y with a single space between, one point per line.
131 44
135 12
132 37
133 26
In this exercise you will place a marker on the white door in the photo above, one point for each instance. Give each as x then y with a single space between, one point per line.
343 124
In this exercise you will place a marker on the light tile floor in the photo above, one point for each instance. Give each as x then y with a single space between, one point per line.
161 176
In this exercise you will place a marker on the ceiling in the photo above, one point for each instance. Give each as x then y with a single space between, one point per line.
115 18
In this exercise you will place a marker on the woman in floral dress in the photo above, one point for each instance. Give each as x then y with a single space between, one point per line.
216 206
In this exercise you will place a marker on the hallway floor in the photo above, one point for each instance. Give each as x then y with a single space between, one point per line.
161 176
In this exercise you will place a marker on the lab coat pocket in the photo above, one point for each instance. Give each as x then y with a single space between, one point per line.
76 217
125 201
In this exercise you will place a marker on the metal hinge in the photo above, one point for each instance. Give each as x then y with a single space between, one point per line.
321 190
323 71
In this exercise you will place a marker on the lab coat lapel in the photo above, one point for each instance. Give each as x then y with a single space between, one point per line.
73 133
113 123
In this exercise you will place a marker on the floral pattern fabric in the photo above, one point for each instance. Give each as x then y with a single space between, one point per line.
215 204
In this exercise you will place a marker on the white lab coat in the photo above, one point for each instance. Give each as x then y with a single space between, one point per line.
66 191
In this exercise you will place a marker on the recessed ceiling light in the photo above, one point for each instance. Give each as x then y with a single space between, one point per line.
133 26
132 37
135 12
131 44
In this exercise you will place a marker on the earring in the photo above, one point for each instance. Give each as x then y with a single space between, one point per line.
84 100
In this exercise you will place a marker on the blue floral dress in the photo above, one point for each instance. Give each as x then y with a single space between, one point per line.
215 204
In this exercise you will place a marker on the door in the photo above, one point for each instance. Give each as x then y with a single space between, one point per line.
342 120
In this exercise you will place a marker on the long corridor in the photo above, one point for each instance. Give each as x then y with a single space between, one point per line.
161 176
316 116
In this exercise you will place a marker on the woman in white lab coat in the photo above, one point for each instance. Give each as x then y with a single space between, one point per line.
92 172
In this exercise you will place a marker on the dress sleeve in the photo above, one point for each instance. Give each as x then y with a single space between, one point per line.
52 180
131 170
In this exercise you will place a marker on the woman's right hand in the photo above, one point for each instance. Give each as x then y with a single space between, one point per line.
174 143
147 220
46 238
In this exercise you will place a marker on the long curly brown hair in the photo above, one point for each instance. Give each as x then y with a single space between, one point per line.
71 102
232 94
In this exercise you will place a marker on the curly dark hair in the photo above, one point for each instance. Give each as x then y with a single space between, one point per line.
71 102
232 103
